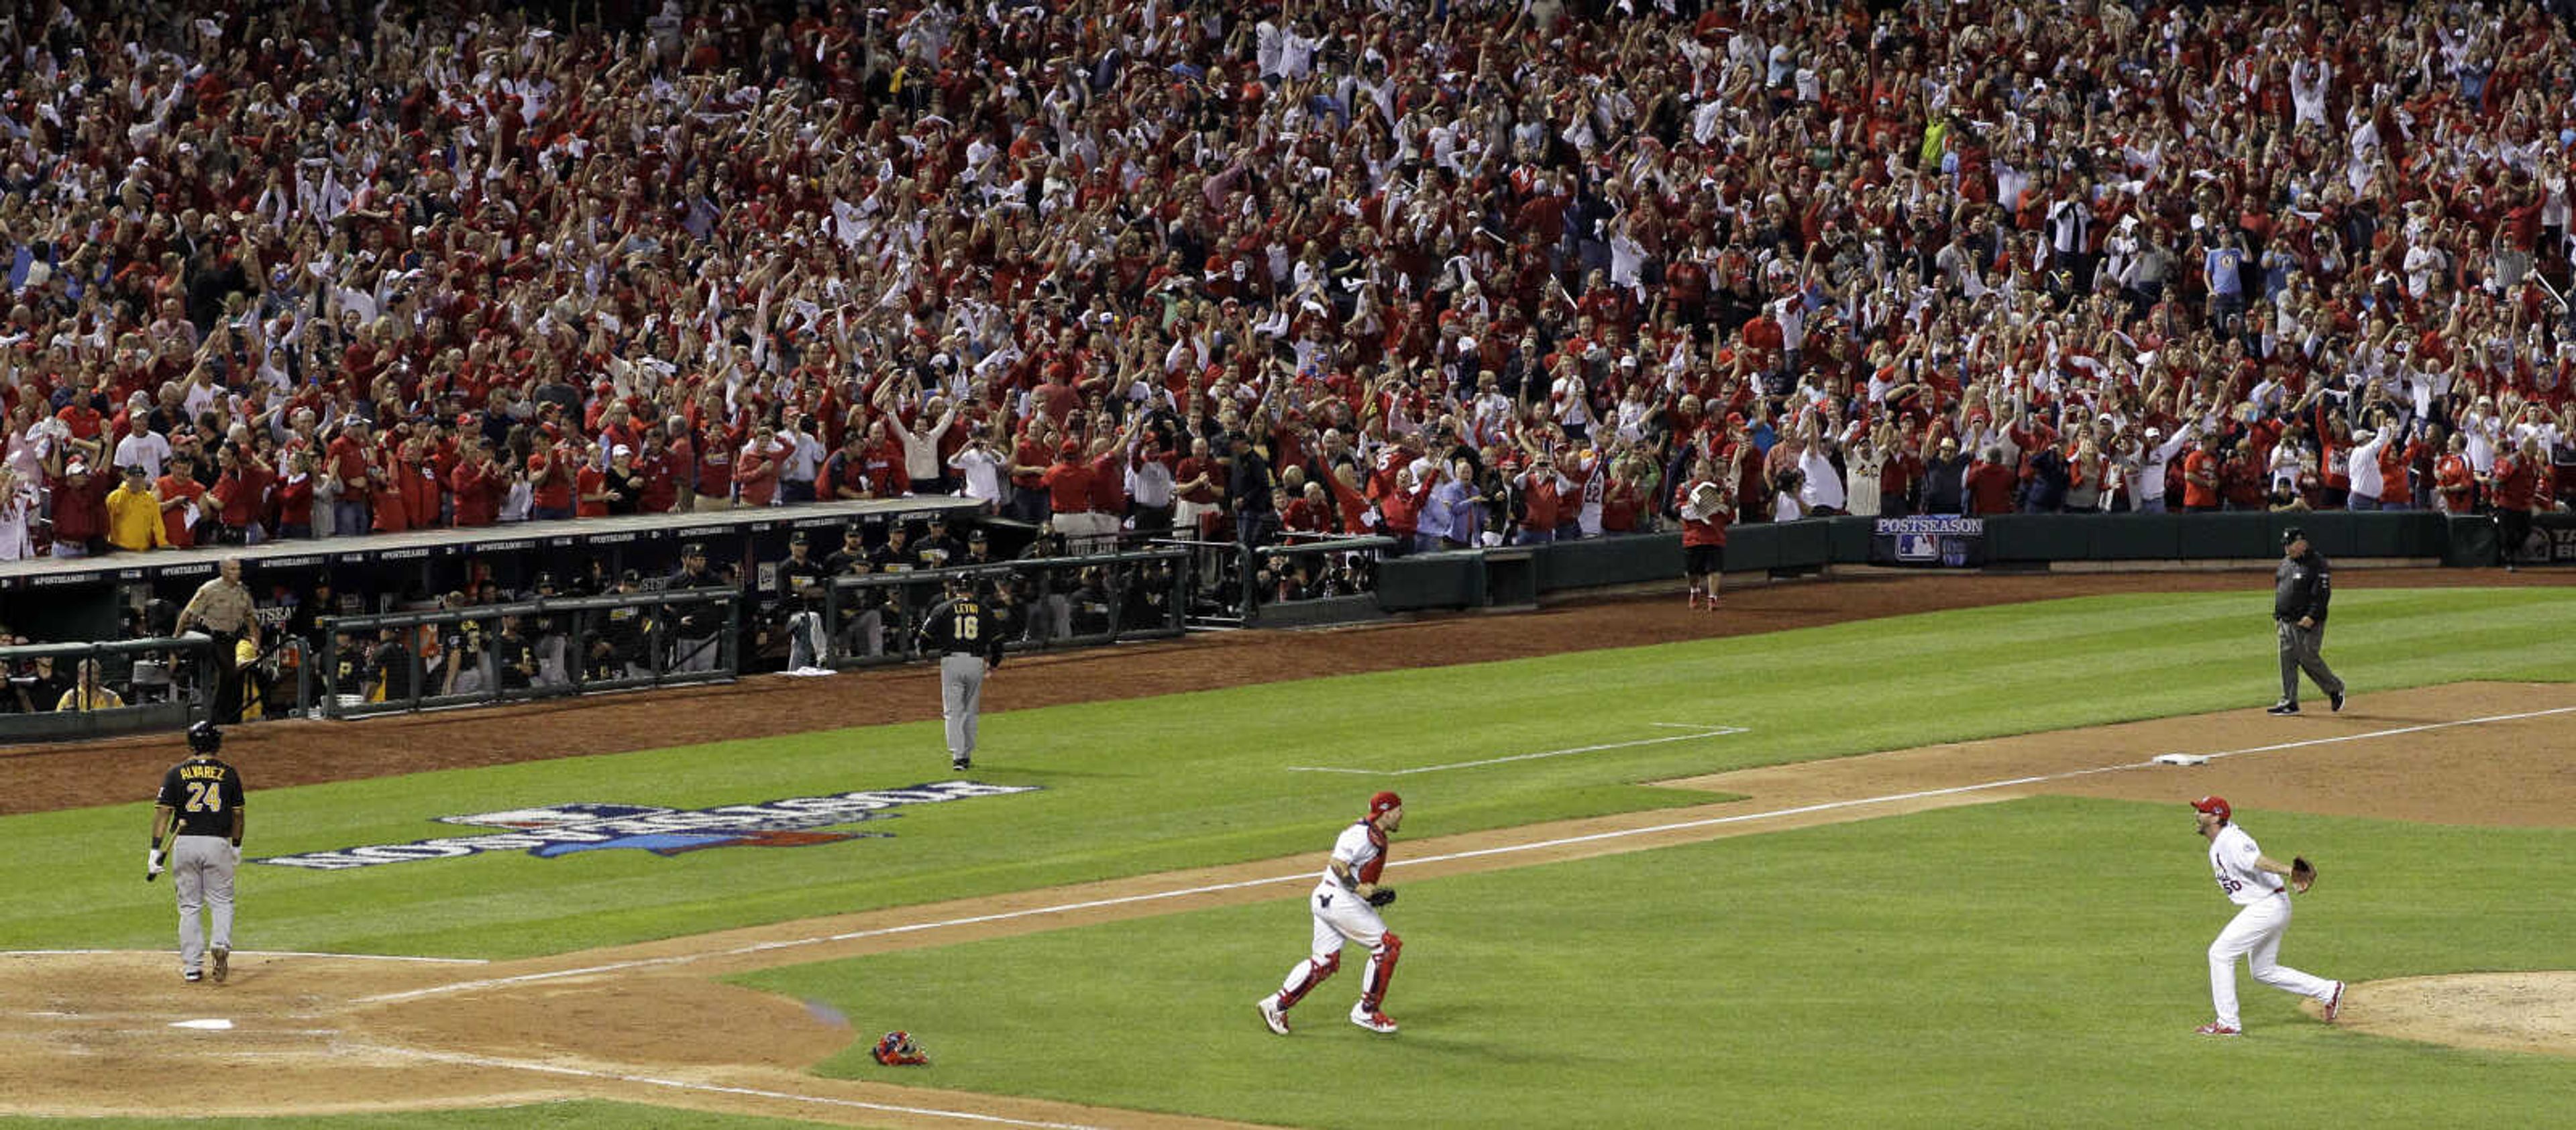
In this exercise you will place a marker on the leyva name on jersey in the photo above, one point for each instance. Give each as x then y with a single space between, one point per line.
563 829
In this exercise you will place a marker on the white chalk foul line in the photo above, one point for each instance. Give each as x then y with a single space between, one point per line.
470 1060
260 953
1712 732
1309 876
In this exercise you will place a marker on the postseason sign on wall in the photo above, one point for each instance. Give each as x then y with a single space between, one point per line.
1948 542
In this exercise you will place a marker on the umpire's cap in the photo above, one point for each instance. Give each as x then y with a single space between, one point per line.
2292 534
204 737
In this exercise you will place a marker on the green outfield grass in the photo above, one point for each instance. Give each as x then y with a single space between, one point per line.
2036 963
544 1116
1142 786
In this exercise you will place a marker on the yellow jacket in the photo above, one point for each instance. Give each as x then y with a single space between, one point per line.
134 519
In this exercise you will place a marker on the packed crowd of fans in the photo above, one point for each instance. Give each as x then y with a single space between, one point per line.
1461 273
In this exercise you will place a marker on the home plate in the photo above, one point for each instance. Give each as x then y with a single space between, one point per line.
206 1025
2181 759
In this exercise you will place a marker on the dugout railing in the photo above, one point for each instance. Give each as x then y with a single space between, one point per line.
1300 579
545 648
1045 602
161 683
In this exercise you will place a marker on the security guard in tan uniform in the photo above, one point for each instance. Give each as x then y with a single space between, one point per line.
222 607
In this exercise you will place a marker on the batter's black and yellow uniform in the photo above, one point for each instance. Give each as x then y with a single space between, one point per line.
204 797
966 635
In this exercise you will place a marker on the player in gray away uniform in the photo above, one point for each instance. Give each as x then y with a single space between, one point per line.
202 796
963 631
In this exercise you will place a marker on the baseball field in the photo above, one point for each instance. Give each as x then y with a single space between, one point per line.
1863 853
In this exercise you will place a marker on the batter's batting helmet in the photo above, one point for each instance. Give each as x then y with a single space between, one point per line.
205 738
2215 806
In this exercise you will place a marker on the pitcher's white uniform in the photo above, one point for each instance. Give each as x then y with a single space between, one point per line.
2255 933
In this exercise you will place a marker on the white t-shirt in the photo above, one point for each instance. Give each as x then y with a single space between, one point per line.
983 473
148 449
2231 857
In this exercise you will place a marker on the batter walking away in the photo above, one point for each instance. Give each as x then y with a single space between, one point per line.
2301 589
969 642
202 797
2253 881
1345 906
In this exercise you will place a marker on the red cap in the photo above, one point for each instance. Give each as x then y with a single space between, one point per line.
1384 803
2215 806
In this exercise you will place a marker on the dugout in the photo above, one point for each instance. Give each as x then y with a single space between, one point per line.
118 595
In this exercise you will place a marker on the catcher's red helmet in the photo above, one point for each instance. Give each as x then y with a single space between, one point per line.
898 1050
2215 806
1384 803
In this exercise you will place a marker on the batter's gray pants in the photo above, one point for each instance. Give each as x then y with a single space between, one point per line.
961 695
201 872
2299 652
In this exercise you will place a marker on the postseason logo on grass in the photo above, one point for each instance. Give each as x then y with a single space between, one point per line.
565 829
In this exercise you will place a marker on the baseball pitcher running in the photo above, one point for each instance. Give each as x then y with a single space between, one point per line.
201 799
968 640
2253 881
1345 905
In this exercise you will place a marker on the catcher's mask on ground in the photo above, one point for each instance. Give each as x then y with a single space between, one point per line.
898 1050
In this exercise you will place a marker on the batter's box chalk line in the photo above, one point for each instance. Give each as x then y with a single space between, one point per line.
1698 731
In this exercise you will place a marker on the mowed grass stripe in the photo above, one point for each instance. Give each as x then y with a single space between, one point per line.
1143 786
570 1115
2031 963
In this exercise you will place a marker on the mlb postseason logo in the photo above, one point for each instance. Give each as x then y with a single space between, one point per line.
1931 539
566 829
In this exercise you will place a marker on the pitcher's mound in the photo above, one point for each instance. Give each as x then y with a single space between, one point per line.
2520 1012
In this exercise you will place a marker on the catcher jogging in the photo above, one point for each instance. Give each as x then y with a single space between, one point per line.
201 800
2254 882
1345 906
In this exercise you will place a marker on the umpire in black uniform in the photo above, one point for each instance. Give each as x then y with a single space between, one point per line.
2301 589
968 639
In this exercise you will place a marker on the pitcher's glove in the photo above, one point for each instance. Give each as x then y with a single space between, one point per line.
1381 896
2303 874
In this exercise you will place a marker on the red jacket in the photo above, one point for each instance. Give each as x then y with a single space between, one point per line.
477 502
1989 488
1068 485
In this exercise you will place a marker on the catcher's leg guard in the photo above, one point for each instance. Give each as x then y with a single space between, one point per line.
1305 977
1381 969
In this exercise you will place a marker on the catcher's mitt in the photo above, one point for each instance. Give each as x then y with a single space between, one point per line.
2303 874
1381 896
